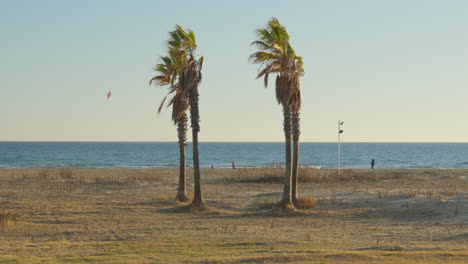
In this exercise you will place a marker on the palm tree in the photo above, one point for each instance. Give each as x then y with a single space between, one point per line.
183 45
294 85
278 57
168 72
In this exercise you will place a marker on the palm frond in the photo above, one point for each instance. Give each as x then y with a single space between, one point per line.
276 55
180 71
264 35
191 36
200 63
262 56
179 107
261 45
152 80
162 104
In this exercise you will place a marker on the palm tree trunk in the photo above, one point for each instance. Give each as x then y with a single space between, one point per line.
198 201
286 201
182 135
296 131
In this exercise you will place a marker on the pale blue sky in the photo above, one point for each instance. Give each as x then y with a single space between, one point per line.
392 70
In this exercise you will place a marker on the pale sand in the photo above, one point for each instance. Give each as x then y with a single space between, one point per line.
128 216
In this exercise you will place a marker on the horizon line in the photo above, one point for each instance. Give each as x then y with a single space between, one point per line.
123 141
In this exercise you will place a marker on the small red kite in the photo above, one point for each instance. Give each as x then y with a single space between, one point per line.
109 94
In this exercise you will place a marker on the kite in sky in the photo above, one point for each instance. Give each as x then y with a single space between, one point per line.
109 94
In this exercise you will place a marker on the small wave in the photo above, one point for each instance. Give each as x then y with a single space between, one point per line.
146 166
78 165
166 165
417 167
259 167
312 166
72 165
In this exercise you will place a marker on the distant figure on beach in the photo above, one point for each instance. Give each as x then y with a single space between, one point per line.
233 165
212 166
372 163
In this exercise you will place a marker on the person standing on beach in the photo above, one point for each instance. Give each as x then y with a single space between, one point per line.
372 163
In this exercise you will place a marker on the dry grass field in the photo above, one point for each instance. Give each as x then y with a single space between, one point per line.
129 216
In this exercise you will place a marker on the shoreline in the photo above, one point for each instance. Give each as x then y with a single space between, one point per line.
220 168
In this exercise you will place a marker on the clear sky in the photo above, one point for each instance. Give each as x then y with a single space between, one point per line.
392 70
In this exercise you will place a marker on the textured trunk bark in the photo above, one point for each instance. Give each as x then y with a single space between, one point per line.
287 199
295 166
182 190
182 135
295 174
198 201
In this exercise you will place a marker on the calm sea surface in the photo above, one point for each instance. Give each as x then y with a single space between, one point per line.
166 155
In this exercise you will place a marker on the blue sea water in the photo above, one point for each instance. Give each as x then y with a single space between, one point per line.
221 154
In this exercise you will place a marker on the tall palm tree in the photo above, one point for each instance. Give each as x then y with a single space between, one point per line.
294 85
276 56
167 76
184 46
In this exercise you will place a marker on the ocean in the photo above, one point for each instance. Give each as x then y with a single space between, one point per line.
222 154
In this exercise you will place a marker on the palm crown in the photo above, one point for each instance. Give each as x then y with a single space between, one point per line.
276 55
173 71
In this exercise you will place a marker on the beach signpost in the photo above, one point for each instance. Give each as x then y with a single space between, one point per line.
340 131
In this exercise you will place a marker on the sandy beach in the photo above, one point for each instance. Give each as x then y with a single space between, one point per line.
129 216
